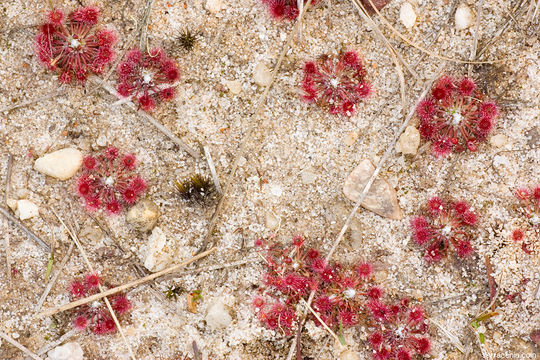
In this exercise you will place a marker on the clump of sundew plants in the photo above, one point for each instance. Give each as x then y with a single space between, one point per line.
73 46
445 225
148 76
336 84
109 181
456 117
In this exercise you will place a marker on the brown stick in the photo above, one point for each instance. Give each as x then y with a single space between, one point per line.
126 286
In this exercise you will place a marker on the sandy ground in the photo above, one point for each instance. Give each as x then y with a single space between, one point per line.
288 182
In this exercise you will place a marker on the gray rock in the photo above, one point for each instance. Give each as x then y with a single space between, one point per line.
381 197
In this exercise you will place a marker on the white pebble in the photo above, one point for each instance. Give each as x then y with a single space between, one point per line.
262 75
214 6
158 253
26 209
409 141
407 15
464 17
235 87
218 316
498 140
61 164
68 351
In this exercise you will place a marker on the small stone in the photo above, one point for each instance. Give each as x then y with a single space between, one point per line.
380 276
101 140
409 141
218 315
271 220
349 355
158 256
61 164
235 87
143 216
68 351
308 177
92 233
214 6
351 138
464 17
262 75
407 15
498 140
381 197
26 209
12 203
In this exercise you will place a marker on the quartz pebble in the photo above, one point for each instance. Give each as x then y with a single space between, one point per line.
158 256
381 197
218 315
349 355
68 351
214 6
26 209
407 15
61 164
498 140
143 216
262 75
409 141
234 86
464 17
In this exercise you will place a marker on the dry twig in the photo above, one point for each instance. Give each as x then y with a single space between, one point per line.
100 287
33 101
19 346
155 123
212 168
126 286
26 230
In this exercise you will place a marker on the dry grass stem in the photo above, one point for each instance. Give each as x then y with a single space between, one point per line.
19 346
320 320
6 197
57 342
421 48
450 336
252 122
26 230
154 122
100 287
212 168
33 101
475 40
126 286
54 278
363 13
